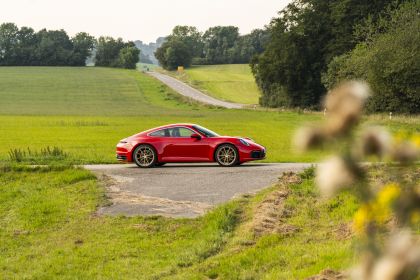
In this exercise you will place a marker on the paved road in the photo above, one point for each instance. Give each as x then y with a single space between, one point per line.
186 90
182 190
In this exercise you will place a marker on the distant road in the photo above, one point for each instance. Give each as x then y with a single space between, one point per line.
188 91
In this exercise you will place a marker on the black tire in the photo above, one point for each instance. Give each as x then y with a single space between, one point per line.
145 156
160 163
226 155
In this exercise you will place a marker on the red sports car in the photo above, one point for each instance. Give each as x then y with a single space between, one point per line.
186 143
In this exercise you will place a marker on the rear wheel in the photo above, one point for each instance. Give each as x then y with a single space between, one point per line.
227 155
145 156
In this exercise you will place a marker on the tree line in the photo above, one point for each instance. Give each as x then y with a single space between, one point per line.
25 47
217 45
315 45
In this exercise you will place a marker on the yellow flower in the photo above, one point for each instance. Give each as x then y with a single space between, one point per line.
384 200
388 194
400 136
416 140
362 218
377 211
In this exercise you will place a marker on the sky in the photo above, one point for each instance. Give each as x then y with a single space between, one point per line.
138 19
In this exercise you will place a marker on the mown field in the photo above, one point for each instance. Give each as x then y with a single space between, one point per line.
86 111
232 82
49 230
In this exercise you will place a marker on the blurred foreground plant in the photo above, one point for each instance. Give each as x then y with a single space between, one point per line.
390 210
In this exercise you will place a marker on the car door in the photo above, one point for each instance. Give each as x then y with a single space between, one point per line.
181 147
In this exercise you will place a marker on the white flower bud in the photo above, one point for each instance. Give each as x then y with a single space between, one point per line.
333 175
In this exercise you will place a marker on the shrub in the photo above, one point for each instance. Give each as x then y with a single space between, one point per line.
389 61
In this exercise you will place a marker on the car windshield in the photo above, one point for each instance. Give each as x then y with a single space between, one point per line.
205 131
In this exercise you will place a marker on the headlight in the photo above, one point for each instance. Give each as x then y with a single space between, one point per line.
243 141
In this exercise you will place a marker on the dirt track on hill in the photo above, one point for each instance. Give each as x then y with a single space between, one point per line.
182 190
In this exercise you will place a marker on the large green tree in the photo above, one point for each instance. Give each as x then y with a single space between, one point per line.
388 58
249 45
107 51
24 46
174 53
218 45
54 48
190 36
112 52
304 38
219 42
129 56
83 45
8 43
180 47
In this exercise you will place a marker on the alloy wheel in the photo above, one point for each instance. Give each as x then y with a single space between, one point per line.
227 155
144 156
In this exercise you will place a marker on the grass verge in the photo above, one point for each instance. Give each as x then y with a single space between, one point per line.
49 229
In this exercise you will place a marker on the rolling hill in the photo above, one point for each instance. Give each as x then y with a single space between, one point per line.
86 111
231 82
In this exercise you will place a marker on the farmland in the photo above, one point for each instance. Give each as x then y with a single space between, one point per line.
85 111
230 82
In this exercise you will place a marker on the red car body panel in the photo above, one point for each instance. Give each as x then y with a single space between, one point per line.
187 149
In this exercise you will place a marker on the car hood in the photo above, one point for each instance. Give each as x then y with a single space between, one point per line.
235 137
240 137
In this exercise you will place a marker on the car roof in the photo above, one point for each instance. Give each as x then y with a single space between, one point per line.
167 126
175 124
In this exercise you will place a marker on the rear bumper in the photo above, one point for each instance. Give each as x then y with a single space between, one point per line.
123 154
121 157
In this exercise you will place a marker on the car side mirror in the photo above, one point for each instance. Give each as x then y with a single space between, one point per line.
196 136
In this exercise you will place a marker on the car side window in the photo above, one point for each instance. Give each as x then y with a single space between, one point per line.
180 132
160 133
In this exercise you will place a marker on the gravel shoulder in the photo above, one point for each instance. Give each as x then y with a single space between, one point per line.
182 190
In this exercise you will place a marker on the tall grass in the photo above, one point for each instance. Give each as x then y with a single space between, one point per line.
42 156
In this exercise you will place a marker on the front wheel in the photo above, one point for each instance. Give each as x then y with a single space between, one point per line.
145 156
227 155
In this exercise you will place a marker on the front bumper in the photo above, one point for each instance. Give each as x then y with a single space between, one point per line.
252 153
258 154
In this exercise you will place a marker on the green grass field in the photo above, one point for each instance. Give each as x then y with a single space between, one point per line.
48 223
49 230
86 111
233 82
